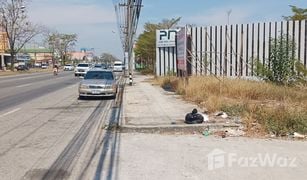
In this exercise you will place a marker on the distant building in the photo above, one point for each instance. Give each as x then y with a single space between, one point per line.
23 58
3 48
84 55
38 55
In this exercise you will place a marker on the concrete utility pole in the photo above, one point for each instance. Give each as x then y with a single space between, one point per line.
128 14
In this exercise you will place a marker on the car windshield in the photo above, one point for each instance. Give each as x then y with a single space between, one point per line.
99 75
98 65
82 65
68 65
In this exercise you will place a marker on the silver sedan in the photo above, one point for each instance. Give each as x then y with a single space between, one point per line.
98 83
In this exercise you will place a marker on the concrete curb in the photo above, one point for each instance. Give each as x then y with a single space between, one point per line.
182 128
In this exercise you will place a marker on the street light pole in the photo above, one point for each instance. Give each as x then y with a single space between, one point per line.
228 16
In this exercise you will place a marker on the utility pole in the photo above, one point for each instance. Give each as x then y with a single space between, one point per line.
128 16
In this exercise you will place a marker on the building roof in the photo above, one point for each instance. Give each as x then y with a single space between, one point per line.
38 50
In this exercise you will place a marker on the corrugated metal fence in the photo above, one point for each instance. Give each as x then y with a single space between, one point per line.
232 49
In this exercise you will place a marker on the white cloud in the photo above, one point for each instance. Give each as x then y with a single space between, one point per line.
72 14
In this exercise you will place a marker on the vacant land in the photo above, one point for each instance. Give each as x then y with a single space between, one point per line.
263 107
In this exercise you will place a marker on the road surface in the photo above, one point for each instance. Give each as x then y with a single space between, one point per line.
47 133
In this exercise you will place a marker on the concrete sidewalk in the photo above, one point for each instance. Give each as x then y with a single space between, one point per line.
147 104
149 108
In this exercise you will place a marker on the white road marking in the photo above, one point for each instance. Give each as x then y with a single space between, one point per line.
60 77
24 85
10 112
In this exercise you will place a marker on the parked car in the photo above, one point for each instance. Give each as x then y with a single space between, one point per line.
44 66
22 68
81 69
69 67
98 83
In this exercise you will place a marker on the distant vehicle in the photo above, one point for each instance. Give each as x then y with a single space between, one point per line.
108 66
102 66
97 66
37 65
98 83
44 66
22 68
118 66
82 68
69 67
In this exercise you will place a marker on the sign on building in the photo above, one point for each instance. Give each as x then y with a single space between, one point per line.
166 52
166 37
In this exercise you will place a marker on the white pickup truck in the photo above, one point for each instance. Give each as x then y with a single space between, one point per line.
82 69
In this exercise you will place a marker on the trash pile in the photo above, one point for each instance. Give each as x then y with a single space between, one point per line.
294 135
196 118
298 135
232 126
221 117
225 133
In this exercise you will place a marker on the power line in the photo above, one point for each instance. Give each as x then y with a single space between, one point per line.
127 13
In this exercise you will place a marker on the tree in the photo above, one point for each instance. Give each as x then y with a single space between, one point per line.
67 42
281 60
282 68
108 58
60 44
51 42
18 29
298 14
146 44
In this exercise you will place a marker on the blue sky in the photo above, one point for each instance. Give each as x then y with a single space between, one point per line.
95 21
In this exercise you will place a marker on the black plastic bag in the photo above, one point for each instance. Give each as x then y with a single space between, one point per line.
194 118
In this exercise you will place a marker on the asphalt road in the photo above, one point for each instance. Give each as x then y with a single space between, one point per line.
16 90
46 132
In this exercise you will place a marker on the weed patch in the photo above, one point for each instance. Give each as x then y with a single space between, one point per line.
277 109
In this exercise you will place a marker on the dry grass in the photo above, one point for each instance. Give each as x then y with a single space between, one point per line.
279 109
